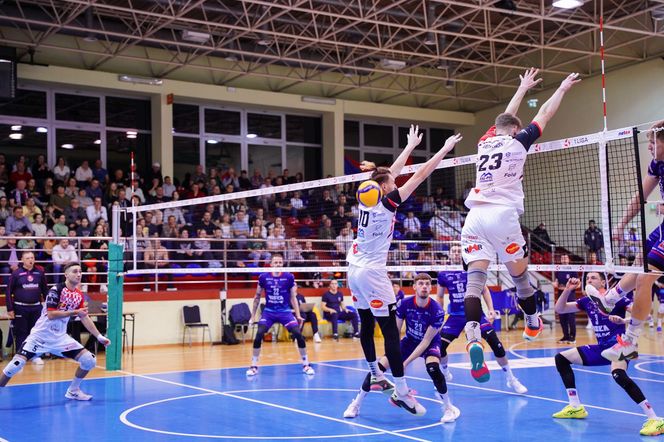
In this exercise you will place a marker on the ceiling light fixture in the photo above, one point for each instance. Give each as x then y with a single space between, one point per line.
97 141
567 4
16 127
393 65
196 37
215 141
319 100
252 135
140 80
16 136
67 146
41 130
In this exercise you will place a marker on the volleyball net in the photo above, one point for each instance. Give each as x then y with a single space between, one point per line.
576 191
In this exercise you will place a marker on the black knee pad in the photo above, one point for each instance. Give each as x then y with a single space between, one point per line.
433 368
621 378
260 333
299 338
491 337
445 341
627 384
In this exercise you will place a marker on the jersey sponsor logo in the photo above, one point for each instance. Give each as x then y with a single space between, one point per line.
360 233
377 234
473 248
581 140
513 166
486 177
376 303
30 286
30 278
510 175
512 248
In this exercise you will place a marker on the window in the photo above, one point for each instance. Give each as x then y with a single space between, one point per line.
223 155
380 136
187 158
380 159
26 104
119 148
76 146
437 139
185 118
303 129
305 160
219 121
25 141
352 133
264 125
265 159
79 108
129 113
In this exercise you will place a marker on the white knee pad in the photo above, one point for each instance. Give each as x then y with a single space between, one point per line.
476 282
14 366
87 361
660 310
523 288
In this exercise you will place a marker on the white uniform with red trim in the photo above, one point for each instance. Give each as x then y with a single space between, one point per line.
369 283
50 335
492 226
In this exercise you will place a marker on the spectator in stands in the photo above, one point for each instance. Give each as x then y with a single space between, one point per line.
429 206
567 320
327 204
244 181
19 195
155 255
120 179
342 243
17 221
60 228
84 229
150 223
84 201
257 246
60 200
294 253
21 173
47 190
136 191
260 224
267 201
31 209
412 226
99 173
256 179
309 316
71 189
177 212
206 224
61 171
297 205
96 212
240 229
4 175
40 170
74 214
185 249
540 240
94 190
339 219
170 229
38 227
593 239
326 232
631 244
9 258
335 310
155 173
168 187
199 175
63 254
202 248
5 210
276 240
226 227
231 178
83 174
50 216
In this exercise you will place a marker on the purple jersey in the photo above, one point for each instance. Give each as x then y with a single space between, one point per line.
455 283
605 330
277 291
656 169
419 319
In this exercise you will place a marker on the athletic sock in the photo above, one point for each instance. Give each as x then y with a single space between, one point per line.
401 386
473 331
360 396
647 409
508 370
75 384
445 397
573 397
305 360
254 361
615 294
375 371
444 368
634 330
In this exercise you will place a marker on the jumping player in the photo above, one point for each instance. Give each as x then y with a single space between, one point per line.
607 330
496 202
455 282
423 320
49 335
280 294
367 274
627 345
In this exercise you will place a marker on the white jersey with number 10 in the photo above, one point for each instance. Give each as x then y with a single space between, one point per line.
374 233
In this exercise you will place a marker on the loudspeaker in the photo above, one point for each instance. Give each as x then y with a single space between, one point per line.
7 73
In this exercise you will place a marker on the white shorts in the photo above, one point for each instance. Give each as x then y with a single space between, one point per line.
371 289
35 344
490 230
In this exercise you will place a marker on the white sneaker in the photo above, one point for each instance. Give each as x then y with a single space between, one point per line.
317 338
308 369
622 350
448 375
517 386
606 302
353 410
451 414
37 361
252 371
77 395
408 403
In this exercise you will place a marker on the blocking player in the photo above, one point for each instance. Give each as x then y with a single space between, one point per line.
496 202
607 330
49 335
627 345
455 282
280 294
367 275
423 320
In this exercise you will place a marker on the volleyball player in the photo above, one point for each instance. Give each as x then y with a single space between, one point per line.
626 346
280 294
367 275
607 330
455 282
492 225
423 320
49 335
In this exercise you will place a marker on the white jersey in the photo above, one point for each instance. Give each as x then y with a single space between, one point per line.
62 299
500 161
374 233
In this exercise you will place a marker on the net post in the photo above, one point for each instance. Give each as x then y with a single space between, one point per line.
115 295
605 204
639 179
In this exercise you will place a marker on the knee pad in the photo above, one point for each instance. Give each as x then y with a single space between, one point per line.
621 378
436 375
14 366
523 288
299 338
562 363
445 341
87 361
491 337
476 282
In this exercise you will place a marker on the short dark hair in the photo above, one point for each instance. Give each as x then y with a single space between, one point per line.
422 276
70 265
275 255
506 119
381 174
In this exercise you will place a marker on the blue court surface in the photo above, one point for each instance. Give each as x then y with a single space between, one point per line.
281 403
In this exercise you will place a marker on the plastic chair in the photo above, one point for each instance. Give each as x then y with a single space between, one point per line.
191 315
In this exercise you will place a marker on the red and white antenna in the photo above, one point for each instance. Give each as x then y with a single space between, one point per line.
601 52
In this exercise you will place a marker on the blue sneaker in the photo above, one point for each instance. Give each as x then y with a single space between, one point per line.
478 368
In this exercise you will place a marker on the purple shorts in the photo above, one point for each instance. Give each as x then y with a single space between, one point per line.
408 346
655 248
591 355
287 319
454 325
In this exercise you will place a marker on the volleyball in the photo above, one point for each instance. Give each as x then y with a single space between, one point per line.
369 193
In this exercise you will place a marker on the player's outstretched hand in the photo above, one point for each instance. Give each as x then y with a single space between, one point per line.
570 81
451 142
414 136
300 320
617 319
573 284
103 340
528 80
82 312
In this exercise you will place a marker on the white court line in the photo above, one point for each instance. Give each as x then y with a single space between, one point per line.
584 370
282 407
474 387
638 367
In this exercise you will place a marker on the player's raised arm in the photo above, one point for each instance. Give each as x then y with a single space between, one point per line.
550 107
431 333
649 184
414 139
562 305
528 81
